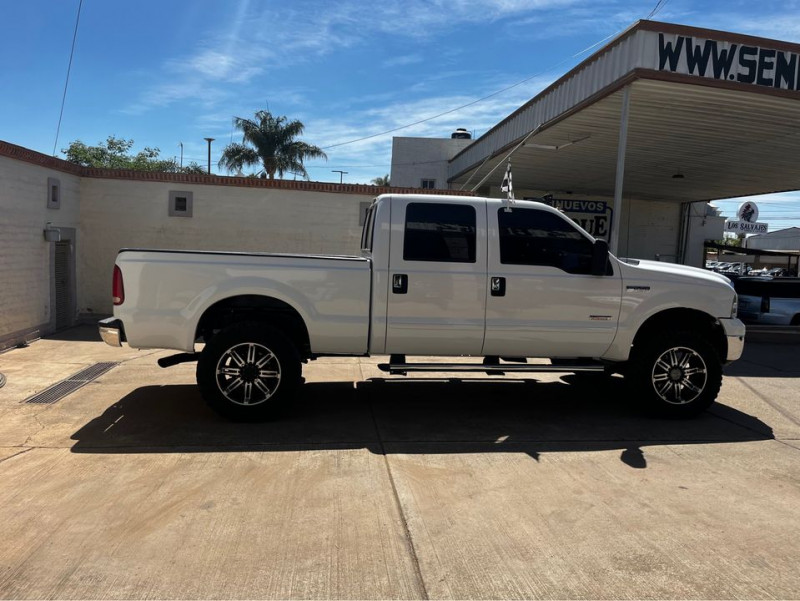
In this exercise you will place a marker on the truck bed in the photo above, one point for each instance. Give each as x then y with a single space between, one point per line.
168 291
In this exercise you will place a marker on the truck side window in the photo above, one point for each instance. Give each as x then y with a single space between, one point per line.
534 237
439 232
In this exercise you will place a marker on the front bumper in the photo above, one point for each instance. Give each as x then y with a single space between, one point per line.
111 331
734 333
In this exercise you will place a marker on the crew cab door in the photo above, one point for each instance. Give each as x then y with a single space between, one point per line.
436 298
546 302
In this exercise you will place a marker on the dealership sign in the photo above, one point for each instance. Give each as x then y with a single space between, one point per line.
727 61
747 222
592 215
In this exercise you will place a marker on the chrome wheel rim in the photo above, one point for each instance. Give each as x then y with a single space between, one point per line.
248 374
679 375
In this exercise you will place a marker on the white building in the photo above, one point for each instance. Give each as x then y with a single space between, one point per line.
424 162
785 239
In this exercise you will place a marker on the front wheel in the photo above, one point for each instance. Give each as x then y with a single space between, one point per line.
247 370
678 375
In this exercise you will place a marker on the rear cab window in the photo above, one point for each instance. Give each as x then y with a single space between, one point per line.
439 232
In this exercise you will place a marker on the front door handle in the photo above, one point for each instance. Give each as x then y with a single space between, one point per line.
400 283
498 286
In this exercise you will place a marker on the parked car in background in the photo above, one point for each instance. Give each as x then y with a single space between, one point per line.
766 300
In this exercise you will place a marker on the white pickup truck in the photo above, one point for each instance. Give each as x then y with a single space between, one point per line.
449 276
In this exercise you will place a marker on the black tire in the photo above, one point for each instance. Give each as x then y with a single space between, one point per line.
677 375
247 370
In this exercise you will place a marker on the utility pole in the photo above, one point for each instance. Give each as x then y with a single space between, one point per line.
209 140
341 174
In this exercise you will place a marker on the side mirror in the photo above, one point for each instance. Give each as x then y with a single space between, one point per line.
600 257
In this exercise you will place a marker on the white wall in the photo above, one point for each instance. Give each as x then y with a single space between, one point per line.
649 230
415 159
26 303
704 224
129 213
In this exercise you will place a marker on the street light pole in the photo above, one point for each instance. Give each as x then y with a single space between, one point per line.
181 143
341 174
209 140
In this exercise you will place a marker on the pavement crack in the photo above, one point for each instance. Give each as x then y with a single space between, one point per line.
22 452
151 353
771 403
30 437
406 530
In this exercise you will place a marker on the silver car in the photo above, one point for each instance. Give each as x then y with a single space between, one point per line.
769 301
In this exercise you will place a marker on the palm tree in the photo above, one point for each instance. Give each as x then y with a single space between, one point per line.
381 180
270 142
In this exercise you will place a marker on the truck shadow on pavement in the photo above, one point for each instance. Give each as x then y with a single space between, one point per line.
413 416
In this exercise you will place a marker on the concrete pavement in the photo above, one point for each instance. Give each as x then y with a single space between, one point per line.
368 487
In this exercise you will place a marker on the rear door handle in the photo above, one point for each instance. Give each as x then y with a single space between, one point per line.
400 283
498 286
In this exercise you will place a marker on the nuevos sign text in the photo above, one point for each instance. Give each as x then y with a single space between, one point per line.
592 215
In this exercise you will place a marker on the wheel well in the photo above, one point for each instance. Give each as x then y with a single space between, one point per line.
252 307
685 319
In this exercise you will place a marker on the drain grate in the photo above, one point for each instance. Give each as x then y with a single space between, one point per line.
59 390
92 372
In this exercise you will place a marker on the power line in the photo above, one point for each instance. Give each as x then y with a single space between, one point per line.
69 68
657 8
473 102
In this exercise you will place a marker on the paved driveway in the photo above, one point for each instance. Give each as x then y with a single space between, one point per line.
376 488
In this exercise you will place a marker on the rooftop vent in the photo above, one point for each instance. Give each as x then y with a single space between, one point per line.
461 134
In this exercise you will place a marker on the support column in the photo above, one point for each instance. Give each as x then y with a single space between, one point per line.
613 242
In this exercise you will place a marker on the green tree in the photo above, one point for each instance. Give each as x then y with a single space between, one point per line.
272 143
730 240
114 153
194 168
382 180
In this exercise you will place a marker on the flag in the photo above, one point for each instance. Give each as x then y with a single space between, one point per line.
507 186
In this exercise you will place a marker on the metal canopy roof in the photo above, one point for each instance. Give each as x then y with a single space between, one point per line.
725 138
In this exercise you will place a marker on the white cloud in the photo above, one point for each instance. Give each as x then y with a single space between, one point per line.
399 61
779 26
266 37
376 151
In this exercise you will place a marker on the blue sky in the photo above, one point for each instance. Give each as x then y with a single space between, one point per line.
168 72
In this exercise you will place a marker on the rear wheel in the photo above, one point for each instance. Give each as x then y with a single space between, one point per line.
677 374
247 370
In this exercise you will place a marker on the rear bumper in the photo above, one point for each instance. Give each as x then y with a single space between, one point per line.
111 331
734 333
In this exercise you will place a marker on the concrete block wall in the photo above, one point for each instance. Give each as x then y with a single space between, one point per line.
26 259
134 214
